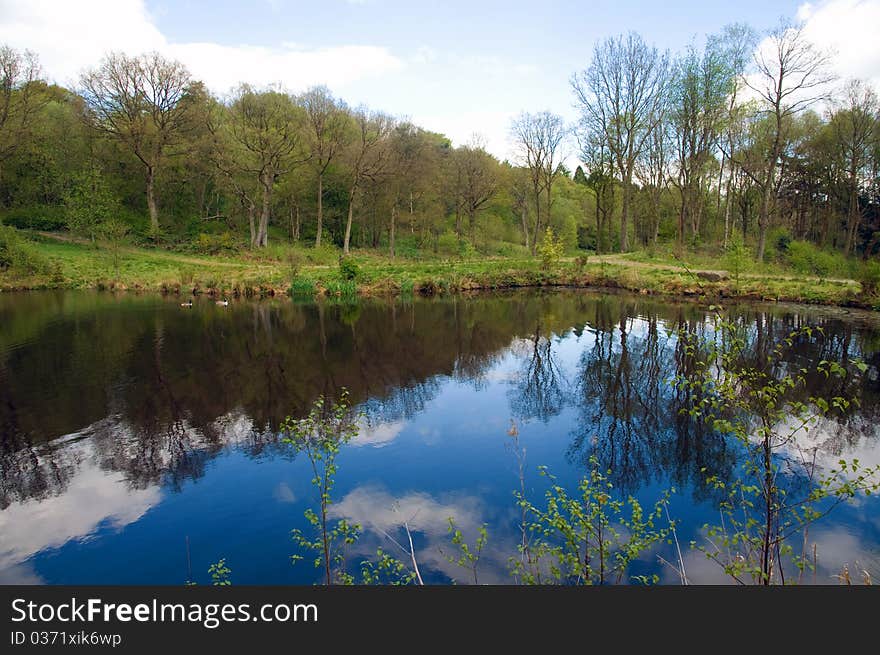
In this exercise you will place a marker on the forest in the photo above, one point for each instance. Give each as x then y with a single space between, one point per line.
746 141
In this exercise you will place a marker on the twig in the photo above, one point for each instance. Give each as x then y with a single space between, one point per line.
681 572
412 552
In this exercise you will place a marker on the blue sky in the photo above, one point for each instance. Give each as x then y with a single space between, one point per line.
454 67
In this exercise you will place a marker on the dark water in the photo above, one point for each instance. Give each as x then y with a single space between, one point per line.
129 425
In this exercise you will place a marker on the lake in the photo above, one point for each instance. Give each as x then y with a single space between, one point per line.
139 439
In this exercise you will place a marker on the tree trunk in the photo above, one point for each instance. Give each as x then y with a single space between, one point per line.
624 214
525 224
727 213
263 232
537 232
151 199
854 216
320 211
347 238
391 233
251 210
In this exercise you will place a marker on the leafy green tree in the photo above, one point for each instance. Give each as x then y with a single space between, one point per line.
90 203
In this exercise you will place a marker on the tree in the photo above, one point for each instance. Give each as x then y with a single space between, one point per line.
855 125
701 84
140 101
265 128
791 74
326 122
90 203
538 138
475 181
619 96
737 43
20 98
368 157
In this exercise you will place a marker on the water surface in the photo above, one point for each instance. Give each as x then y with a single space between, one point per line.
139 440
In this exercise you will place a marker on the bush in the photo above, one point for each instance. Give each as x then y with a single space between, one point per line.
348 268
806 258
18 256
302 288
869 278
738 256
214 244
580 262
550 249
48 218
781 240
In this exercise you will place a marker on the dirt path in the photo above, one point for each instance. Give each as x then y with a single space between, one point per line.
620 259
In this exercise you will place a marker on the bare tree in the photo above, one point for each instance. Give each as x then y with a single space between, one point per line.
538 139
855 122
369 157
327 129
140 102
19 98
791 74
619 96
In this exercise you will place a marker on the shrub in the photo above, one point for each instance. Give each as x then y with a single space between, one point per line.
550 249
869 278
214 244
806 258
302 288
738 256
47 218
18 256
348 268
346 288
781 240
89 204
294 264
580 262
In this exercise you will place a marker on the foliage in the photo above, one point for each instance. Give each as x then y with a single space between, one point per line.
114 231
35 217
580 262
18 256
89 203
220 573
467 558
869 277
550 250
214 244
780 491
738 257
302 288
804 257
590 537
320 437
348 268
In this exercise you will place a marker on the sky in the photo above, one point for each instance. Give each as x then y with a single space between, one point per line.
460 68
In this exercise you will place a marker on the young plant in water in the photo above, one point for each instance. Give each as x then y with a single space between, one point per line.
590 537
320 437
780 490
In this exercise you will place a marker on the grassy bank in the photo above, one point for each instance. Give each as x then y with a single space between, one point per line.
307 272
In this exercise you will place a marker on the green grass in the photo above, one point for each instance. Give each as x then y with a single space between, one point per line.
268 272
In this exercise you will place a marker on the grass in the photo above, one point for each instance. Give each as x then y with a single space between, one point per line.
268 272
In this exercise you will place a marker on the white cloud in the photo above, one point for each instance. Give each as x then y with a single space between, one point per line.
92 497
849 29
378 435
72 36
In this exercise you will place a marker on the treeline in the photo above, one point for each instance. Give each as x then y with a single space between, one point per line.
739 139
